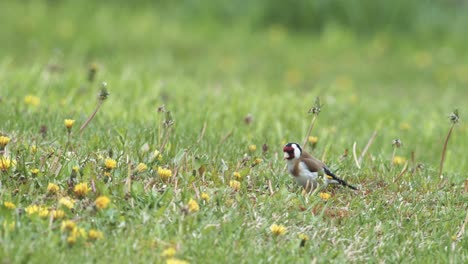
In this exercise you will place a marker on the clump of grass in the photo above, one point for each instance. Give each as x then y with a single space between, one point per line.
454 118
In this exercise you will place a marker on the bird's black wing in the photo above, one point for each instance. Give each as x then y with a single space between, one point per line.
340 181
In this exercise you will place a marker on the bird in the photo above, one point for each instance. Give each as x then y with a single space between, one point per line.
306 169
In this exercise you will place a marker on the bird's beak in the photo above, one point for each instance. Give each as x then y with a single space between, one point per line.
286 155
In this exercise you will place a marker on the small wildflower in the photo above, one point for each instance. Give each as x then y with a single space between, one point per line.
313 140
110 164
252 148
67 202
235 185
52 188
32 209
9 205
175 261
33 149
34 172
316 108
324 196
107 174
76 169
43 212
193 206
103 94
155 155
69 123
304 238
32 100
57 214
164 174
71 240
102 202
81 189
141 167
4 140
68 225
94 234
168 252
79 232
257 161
278 230
5 163
237 176
398 160
454 116
405 126
397 143
205 197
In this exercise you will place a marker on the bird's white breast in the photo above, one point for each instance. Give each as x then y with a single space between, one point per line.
305 177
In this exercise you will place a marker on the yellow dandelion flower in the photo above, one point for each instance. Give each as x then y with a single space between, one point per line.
33 149
69 123
5 163
81 189
258 161
405 126
156 154
71 240
313 140
278 230
164 174
4 140
57 214
303 237
9 205
169 252
34 172
43 212
235 185
76 169
52 188
32 209
237 176
205 197
94 234
398 160
68 225
102 202
141 167
110 164
324 196
67 202
79 232
252 148
32 100
175 261
193 206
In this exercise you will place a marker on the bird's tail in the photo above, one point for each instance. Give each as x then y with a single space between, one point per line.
340 181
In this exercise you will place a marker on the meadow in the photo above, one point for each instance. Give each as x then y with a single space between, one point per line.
182 161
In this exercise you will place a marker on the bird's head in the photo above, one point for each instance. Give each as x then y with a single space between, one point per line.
292 151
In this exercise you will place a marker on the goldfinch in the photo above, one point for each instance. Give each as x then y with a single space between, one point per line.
306 169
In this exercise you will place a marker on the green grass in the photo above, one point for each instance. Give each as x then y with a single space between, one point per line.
209 74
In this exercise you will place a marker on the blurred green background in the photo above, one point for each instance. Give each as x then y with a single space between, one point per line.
399 67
